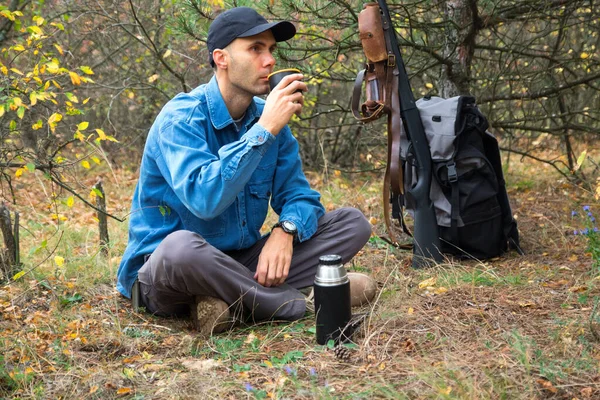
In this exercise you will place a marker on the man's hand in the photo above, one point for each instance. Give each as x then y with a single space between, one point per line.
275 259
282 103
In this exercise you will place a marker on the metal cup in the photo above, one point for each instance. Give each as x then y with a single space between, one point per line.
276 77
332 300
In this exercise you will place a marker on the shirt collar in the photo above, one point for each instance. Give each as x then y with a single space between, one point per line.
217 109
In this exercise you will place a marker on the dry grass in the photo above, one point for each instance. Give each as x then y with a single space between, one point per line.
508 328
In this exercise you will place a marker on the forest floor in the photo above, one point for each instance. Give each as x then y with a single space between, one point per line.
514 327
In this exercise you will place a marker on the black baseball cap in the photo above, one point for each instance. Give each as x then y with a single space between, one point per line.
243 22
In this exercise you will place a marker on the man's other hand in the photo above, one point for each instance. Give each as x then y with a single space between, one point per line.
275 259
285 100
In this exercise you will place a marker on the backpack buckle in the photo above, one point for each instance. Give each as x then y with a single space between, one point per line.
452 173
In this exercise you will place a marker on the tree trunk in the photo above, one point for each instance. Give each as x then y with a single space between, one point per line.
462 25
9 255
102 220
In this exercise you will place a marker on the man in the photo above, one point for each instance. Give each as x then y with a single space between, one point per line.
213 159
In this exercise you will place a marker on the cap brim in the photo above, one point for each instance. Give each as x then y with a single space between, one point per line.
283 30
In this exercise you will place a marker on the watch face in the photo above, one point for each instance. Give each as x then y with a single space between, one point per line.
289 227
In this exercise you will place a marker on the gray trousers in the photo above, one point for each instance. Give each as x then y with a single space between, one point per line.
184 266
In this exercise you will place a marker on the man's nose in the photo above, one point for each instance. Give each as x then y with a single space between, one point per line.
269 60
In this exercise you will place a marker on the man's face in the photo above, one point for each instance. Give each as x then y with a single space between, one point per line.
251 61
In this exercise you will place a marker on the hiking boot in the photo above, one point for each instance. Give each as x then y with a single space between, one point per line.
309 297
362 289
210 315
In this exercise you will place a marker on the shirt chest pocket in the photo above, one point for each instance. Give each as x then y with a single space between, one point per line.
258 206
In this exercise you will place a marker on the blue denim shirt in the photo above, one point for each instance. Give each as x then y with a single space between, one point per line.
200 173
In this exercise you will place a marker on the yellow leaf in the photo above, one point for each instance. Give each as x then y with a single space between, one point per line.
153 78
167 53
59 48
1 110
381 366
428 282
96 160
35 29
101 134
268 363
128 372
85 164
53 67
75 78
79 135
584 55
580 160
578 289
429 85
4 70
440 290
373 220
83 126
37 125
8 14
19 172
33 98
92 195
86 100
18 47
446 391
18 275
86 70
411 311
124 390
70 201
17 102
54 118
94 389
59 261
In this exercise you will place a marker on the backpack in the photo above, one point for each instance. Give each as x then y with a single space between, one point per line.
468 189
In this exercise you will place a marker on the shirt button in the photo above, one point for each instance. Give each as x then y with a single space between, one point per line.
260 139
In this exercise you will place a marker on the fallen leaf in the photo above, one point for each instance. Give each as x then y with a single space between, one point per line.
440 290
526 304
251 337
124 390
578 289
547 385
428 282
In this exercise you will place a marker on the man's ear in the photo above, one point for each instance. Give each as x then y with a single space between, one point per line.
221 58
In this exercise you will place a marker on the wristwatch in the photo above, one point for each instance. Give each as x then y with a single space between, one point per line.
287 227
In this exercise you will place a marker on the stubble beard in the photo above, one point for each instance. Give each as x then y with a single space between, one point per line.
244 84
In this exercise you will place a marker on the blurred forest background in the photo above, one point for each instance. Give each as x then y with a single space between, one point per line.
81 81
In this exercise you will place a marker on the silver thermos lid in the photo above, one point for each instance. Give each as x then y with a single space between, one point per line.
331 271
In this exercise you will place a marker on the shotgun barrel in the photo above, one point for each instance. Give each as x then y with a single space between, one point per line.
426 247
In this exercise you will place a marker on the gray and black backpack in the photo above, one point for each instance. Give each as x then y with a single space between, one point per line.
468 188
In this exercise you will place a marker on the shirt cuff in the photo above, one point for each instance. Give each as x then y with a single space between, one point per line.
258 136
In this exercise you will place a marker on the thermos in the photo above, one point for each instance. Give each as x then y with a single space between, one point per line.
332 300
